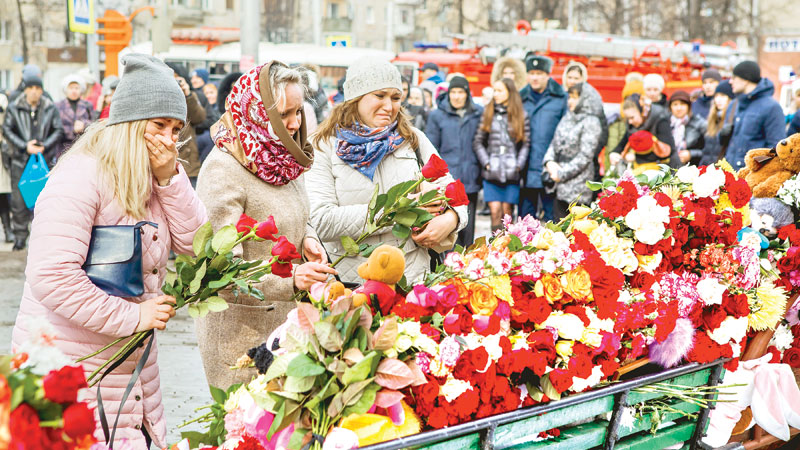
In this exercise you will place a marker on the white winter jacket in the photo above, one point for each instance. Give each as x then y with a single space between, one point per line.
339 196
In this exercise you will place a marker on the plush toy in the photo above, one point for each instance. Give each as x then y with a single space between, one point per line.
768 215
381 272
767 169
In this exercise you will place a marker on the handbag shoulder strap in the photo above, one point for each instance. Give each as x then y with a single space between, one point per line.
145 222
419 157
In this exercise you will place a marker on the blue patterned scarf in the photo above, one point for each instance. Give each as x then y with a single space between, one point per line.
363 148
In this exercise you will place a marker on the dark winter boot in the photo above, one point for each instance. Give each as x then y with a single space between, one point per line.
5 218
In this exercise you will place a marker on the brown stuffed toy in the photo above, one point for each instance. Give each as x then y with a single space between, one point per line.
767 169
381 272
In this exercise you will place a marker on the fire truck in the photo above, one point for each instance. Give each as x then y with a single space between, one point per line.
608 58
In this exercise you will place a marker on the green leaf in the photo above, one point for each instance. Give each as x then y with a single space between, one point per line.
364 402
404 202
423 218
296 441
349 245
298 384
406 218
185 272
594 185
222 282
428 196
380 202
548 389
437 320
202 236
328 336
360 371
202 307
515 244
218 394
216 304
400 231
198 278
374 199
194 311
170 278
276 422
224 239
278 367
219 263
480 242
365 249
303 366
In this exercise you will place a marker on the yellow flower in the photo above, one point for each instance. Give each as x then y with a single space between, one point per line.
649 263
580 211
564 348
673 192
745 210
577 283
375 428
726 166
585 226
482 301
615 251
545 239
549 287
767 306
501 286
723 203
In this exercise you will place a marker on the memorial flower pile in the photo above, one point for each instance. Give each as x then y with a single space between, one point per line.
656 268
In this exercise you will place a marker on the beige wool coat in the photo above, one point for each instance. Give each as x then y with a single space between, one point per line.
228 189
340 195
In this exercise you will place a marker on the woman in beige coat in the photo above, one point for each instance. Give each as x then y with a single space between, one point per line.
368 141
256 168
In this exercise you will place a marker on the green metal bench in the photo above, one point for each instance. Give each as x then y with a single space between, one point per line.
516 430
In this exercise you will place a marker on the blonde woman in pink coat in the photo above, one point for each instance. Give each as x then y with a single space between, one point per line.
121 171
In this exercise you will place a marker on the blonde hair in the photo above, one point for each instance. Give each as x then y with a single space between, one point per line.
281 76
345 115
123 161
716 119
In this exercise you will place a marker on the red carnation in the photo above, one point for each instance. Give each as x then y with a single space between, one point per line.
618 204
456 195
249 443
435 168
62 385
790 232
736 305
284 250
78 420
245 223
739 192
438 418
713 316
267 229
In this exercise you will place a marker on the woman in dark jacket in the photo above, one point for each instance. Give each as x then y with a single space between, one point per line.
451 128
569 158
720 124
687 129
502 144
653 118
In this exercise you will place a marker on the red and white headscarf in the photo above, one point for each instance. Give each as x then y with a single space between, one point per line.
259 149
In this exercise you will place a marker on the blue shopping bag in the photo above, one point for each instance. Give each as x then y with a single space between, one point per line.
33 179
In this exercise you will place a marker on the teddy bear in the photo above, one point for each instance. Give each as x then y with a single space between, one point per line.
767 169
381 272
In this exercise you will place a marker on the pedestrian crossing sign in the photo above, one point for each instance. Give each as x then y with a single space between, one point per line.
80 16
338 41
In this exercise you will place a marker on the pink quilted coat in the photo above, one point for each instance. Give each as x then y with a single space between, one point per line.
85 317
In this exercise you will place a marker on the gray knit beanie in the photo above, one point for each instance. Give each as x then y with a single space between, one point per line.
369 74
146 90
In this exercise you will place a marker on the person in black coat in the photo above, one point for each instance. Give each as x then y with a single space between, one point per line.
720 124
688 129
641 115
451 129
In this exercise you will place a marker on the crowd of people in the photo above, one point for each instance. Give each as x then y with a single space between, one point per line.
169 147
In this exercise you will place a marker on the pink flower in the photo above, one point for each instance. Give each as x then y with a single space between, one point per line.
448 296
340 439
422 296
449 351
423 361
234 424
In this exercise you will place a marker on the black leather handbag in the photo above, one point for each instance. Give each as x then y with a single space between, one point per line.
114 259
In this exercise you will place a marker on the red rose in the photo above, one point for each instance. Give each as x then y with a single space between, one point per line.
283 270
431 332
713 316
78 420
459 321
642 280
245 223
62 385
467 404
267 229
435 168
456 195
438 418
284 250
736 305
560 379
739 192
792 357
24 427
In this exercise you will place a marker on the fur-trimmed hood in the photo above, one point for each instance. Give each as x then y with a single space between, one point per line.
569 66
519 71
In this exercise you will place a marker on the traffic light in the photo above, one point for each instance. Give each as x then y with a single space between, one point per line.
116 32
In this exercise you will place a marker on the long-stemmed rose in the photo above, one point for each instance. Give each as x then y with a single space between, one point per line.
197 280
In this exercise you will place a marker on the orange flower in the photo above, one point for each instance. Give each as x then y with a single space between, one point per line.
577 283
550 287
483 300
464 294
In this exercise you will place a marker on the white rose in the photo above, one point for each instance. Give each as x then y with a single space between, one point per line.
731 329
581 384
340 439
453 388
426 344
710 291
687 174
403 343
239 398
568 326
651 233
411 328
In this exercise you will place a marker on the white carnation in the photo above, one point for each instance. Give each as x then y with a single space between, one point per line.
710 291
687 174
782 338
705 184
453 388
731 329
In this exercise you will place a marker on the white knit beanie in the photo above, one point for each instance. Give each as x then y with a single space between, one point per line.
368 75
653 80
73 78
